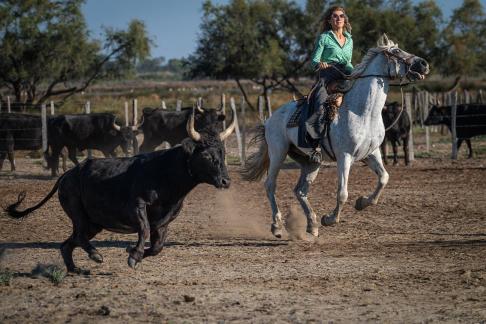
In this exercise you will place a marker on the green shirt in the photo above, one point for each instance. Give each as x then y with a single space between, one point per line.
328 50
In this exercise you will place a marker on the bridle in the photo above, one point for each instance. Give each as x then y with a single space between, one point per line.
393 73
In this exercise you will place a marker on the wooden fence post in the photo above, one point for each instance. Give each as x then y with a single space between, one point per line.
134 123
163 105
237 130
8 105
44 127
269 105
243 131
178 105
127 119
453 126
87 109
408 104
223 108
425 112
52 108
260 109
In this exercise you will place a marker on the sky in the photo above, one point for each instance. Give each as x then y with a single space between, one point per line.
172 24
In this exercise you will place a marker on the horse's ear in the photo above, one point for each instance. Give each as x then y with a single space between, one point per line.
383 40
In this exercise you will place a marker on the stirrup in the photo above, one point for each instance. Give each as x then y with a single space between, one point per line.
315 155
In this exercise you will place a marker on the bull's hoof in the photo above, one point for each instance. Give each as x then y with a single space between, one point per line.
96 257
79 271
132 263
313 230
277 230
361 203
329 220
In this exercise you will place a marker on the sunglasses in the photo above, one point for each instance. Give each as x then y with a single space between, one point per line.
339 16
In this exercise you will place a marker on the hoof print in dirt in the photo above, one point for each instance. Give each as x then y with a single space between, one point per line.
189 299
104 311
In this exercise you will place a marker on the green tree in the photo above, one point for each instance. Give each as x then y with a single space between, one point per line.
463 40
265 41
45 50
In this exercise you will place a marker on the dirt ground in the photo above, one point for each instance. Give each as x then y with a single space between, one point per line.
419 256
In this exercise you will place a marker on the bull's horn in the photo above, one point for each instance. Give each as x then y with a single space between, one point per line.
224 134
116 127
141 122
199 108
190 128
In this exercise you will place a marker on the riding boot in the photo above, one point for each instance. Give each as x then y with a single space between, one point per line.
315 154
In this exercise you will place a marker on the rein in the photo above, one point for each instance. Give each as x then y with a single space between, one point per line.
400 114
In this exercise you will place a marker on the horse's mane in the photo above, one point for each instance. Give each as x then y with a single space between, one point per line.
372 52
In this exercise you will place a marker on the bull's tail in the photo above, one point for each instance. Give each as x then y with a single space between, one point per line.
256 165
12 211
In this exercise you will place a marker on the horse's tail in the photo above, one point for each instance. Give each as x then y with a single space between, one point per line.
256 165
12 211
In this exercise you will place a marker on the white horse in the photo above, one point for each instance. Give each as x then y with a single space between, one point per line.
355 135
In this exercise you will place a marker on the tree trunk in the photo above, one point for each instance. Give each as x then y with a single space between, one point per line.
244 94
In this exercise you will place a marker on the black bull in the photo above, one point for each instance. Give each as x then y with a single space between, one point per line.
85 131
398 123
140 194
470 121
160 125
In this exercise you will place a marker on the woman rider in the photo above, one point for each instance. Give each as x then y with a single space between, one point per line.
332 56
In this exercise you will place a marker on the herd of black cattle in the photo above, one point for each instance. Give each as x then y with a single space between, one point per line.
97 131
470 122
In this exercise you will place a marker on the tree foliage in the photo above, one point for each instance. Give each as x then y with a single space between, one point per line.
264 41
464 40
45 50
270 41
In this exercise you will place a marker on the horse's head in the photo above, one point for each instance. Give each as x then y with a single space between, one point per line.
402 64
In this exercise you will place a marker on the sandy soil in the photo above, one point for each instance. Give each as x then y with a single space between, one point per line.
419 256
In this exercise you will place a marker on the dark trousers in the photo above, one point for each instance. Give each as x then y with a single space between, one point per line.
316 124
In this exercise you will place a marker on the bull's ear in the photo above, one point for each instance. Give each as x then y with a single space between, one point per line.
188 145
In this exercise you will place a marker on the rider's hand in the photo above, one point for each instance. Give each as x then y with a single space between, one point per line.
323 65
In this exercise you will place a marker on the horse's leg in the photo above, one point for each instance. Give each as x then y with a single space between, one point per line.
375 164
384 150
308 173
276 155
343 166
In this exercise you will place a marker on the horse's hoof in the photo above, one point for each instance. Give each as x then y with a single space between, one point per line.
96 257
132 263
277 230
313 230
328 220
361 203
